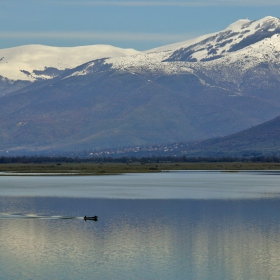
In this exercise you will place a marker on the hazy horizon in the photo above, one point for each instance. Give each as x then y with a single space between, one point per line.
141 25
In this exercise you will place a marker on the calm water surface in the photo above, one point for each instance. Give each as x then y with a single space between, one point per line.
175 225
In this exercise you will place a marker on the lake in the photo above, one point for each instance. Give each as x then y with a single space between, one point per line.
170 225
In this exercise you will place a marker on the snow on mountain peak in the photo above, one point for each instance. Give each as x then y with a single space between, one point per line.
238 24
31 62
269 19
244 43
183 44
241 26
265 24
235 37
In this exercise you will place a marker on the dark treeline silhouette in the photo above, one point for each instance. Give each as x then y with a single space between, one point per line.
37 159
142 160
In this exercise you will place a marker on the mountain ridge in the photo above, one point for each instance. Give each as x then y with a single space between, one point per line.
262 139
32 62
150 97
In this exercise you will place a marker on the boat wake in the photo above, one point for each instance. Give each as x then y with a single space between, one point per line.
34 216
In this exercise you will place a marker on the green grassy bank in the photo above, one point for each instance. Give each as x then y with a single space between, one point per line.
118 168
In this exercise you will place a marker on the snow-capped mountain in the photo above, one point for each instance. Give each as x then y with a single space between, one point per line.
33 62
237 36
243 41
210 86
243 44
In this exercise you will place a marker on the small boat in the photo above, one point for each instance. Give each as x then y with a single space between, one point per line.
94 218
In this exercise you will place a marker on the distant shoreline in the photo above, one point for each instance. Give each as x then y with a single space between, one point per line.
74 169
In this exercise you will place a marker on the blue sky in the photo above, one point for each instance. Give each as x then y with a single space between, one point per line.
141 25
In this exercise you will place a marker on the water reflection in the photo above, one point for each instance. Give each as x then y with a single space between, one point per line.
168 185
34 216
141 239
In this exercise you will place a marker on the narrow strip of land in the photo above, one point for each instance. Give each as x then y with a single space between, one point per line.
119 168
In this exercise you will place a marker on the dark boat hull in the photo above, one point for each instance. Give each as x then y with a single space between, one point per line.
94 218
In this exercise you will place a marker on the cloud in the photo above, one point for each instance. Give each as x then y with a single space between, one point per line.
178 3
107 36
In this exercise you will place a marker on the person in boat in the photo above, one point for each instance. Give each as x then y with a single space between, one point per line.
94 218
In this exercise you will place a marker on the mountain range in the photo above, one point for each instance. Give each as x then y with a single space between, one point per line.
96 97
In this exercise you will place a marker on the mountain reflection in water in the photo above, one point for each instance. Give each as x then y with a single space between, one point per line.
140 239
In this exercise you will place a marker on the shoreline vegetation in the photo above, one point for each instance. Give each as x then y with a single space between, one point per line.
106 168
